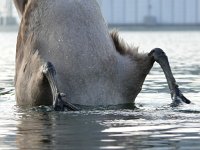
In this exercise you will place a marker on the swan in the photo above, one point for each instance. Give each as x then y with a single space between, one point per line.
66 56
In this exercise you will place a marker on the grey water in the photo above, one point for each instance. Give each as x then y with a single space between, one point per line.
153 125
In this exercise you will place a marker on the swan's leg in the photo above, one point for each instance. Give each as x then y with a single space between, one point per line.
58 103
161 58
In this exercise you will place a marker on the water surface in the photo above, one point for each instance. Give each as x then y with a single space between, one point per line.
154 125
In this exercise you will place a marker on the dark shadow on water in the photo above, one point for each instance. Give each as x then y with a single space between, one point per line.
141 128
130 106
40 128
4 91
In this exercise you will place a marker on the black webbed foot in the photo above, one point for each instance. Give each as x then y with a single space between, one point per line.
161 58
62 105
59 104
178 98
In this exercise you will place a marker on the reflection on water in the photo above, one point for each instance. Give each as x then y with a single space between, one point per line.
155 125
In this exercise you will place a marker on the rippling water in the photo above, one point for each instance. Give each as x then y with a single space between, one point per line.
154 125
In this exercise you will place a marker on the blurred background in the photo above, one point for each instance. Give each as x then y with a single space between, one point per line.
129 12
9 19
151 12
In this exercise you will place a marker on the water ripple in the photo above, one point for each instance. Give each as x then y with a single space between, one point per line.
152 125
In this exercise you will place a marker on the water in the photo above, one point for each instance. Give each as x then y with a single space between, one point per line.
154 125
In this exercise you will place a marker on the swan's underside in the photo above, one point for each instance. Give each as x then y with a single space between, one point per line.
66 56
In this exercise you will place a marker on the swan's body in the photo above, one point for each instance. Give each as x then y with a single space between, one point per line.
92 66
